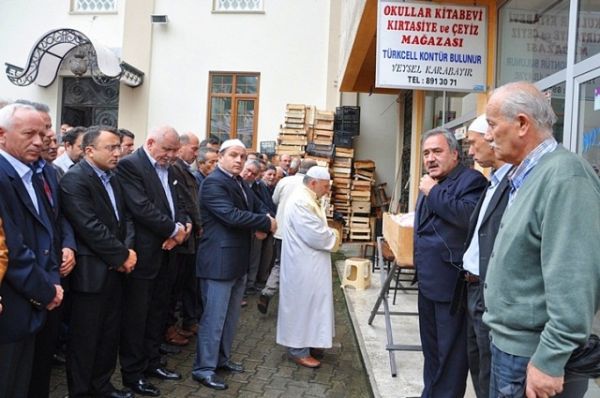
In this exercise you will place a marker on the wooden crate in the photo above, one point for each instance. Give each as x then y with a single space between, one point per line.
361 207
323 124
286 139
344 152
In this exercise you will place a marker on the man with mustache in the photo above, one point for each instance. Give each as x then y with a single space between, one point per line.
448 194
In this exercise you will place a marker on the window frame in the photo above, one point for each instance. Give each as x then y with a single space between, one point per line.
235 97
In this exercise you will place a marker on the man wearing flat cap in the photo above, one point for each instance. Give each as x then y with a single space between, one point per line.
305 321
230 215
483 228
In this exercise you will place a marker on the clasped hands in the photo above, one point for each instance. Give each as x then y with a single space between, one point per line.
183 233
263 235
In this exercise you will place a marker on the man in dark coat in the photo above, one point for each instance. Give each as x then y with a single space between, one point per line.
448 194
94 203
229 215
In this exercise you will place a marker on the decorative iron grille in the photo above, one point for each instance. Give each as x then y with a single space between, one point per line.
238 6
85 6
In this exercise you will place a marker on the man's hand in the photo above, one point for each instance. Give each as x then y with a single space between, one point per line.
129 264
541 385
180 236
57 298
68 261
426 184
260 235
273 223
188 230
169 244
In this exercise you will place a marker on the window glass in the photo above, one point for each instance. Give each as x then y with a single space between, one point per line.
589 121
222 84
588 29
532 39
440 109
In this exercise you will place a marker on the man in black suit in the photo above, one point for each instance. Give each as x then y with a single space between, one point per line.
229 214
186 287
160 224
448 194
31 286
94 203
207 161
483 228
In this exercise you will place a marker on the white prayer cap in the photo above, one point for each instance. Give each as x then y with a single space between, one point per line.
479 125
229 143
319 173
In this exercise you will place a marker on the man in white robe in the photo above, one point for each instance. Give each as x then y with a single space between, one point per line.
306 319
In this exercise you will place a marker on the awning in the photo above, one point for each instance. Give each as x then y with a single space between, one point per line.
51 50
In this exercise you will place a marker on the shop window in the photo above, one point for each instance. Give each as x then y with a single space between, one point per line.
238 6
556 94
443 107
532 39
588 29
589 121
233 106
93 6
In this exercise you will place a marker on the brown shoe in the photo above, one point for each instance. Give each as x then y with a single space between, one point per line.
308 362
173 337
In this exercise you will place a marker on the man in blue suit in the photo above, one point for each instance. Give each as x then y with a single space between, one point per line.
229 214
448 194
32 285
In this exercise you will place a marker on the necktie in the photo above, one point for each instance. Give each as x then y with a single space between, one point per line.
47 190
240 183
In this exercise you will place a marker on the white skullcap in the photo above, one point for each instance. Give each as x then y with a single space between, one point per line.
229 143
319 173
479 125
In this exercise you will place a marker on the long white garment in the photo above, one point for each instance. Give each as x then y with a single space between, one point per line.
305 316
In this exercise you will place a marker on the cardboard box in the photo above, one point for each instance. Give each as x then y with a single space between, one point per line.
400 240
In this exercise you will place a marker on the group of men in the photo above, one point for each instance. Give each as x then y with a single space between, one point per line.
508 272
124 235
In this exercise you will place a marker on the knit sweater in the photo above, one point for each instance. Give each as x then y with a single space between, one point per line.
543 283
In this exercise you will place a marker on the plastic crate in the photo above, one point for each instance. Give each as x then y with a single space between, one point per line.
347 126
348 112
324 151
347 119
343 140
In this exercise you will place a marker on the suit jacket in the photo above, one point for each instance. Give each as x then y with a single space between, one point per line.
263 194
3 253
28 285
441 227
228 219
102 240
188 190
147 203
489 224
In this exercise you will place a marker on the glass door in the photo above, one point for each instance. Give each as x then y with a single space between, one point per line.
588 121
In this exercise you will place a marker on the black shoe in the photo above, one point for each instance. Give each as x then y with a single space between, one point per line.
168 349
59 359
163 373
142 387
263 303
118 394
212 381
232 367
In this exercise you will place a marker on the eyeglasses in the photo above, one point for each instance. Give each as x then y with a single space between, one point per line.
110 148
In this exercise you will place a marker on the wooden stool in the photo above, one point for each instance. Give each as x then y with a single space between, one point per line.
357 273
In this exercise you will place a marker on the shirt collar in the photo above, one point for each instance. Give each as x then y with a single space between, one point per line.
21 168
499 174
226 172
518 176
152 160
104 175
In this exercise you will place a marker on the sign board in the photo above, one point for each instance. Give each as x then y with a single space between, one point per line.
427 46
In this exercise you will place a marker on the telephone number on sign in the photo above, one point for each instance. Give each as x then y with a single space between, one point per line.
432 81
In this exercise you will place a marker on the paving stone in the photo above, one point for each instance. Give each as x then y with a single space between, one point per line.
269 373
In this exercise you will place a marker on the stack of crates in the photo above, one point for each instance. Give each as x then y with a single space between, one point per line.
346 125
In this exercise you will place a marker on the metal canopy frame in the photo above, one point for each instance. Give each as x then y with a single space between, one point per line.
55 46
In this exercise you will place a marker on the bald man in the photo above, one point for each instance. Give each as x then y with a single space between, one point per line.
161 223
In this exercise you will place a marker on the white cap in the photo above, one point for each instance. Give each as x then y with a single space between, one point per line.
319 173
479 125
229 143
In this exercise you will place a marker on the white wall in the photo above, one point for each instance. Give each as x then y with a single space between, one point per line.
23 22
287 45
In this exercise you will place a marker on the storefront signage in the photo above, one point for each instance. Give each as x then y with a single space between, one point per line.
421 45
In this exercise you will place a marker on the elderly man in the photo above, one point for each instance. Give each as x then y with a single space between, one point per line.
160 224
284 162
483 228
543 281
207 162
31 286
448 194
305 319
73 152
127 142
94 203
229 215
283 192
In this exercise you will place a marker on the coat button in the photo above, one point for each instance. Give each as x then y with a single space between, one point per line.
492 255
46 252
485 285
485 309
